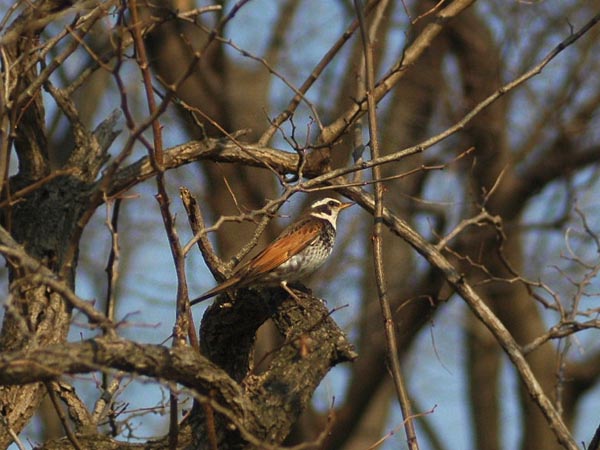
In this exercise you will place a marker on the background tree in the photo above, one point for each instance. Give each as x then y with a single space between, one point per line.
464 129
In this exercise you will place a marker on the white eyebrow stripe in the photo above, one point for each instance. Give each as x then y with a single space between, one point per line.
328 217
324 201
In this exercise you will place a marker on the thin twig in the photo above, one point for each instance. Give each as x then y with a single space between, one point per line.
274 72
394 431
183 313
147 77
437 6
332 132
267 210
112 273
112 265
478 307
398 176
386 310
563 329
198 227
289 165
211 428
480 218
314 76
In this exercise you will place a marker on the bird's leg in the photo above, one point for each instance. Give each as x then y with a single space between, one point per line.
284 286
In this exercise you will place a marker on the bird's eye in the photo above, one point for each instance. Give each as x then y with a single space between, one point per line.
331 203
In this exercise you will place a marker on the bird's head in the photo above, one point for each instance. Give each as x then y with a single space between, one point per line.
328 209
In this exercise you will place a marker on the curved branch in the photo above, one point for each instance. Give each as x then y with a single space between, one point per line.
217 150
181 365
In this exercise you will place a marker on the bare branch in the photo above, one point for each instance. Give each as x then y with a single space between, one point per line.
384 302
478 307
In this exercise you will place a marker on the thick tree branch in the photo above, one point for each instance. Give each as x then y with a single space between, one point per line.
179 365
218 150
313 344
223 150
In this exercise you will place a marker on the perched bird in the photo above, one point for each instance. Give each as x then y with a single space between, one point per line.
297 252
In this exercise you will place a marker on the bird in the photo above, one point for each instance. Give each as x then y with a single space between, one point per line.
300 249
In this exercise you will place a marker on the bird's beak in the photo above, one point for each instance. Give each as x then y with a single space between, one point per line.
346 205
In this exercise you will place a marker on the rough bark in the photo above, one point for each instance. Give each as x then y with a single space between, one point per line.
256 402
255 409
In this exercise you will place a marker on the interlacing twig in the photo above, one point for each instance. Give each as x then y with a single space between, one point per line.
183 313
477 306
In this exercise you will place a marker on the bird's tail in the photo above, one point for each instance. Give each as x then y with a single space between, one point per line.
216 290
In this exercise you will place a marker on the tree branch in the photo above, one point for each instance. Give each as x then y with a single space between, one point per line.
478 307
